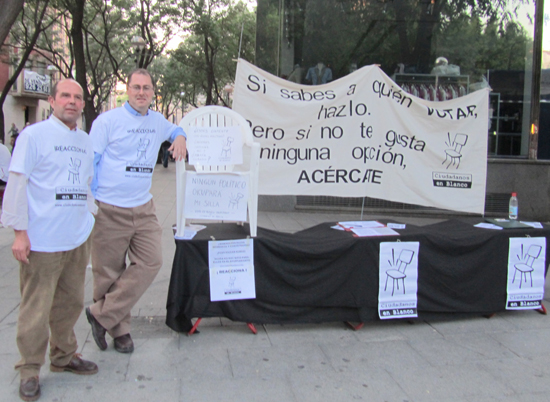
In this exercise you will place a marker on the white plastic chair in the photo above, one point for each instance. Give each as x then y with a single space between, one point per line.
217 116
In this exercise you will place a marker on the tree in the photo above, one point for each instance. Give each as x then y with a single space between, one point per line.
32 23
99 51
209 53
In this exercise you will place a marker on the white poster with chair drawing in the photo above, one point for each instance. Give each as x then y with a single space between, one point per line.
397 295
526 260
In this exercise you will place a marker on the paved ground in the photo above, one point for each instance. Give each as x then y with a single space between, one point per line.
505 358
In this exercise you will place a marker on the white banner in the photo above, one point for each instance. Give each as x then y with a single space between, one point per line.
362 135
398 286
526 259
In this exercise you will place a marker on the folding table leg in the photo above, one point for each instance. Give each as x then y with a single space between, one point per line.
194 328
354 327
252 328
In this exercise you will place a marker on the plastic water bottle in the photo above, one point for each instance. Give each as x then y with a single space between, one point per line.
513 207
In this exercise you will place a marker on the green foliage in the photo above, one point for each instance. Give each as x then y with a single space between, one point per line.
206 60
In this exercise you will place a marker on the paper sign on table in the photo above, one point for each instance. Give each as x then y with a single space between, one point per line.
231 268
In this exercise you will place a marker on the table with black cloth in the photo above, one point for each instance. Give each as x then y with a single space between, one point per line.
321 274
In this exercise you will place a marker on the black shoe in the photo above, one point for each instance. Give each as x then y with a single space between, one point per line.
77 365
98 331
124 344
29 389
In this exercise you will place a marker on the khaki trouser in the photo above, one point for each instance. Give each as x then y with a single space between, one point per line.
52 294
117 288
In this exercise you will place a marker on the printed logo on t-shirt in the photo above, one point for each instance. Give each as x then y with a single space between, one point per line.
140 165
72 191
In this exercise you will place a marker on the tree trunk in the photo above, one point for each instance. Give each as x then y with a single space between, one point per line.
10 11
77 14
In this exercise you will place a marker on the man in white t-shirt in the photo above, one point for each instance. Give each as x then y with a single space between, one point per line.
49 205
126 144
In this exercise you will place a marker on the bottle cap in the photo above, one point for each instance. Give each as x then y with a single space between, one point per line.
514 194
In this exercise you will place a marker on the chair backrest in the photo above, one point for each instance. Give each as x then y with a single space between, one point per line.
405 258
217 116
460 141
533 253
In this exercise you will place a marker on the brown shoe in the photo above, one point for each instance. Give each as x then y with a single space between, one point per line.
29 389
77 365
98 331
124 344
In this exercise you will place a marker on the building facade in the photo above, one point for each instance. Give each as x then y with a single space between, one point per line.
434 49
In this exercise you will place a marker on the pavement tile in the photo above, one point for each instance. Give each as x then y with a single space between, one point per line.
199 362
278 361
459 349
449 326
356 357
239 389
372 385
155 359
281 335
446 383
525 343
518 376
142 390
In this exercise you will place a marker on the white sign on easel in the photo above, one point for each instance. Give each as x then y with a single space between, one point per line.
231 267
215 146
398 286
216 196
526 259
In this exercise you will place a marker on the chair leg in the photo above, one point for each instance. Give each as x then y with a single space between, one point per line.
515 272
387 277
531 275
393 286
404 286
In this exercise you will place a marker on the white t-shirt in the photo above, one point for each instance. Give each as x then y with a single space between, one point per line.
58 163
5 158
129 146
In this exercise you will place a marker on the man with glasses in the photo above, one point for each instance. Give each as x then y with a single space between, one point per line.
126 143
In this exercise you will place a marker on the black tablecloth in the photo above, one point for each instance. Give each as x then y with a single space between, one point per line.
321 274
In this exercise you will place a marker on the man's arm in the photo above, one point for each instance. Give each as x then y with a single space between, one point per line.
15 214
179 148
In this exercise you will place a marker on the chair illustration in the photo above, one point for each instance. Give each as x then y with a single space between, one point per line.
405 258
454 153
527 266
217 116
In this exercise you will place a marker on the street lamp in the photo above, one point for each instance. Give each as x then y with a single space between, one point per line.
139 44
228 89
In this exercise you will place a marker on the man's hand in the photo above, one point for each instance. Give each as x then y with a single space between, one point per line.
21 247
179 148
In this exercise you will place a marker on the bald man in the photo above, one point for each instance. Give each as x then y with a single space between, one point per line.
49 205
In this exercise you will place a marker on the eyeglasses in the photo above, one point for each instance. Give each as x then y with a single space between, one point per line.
138 88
